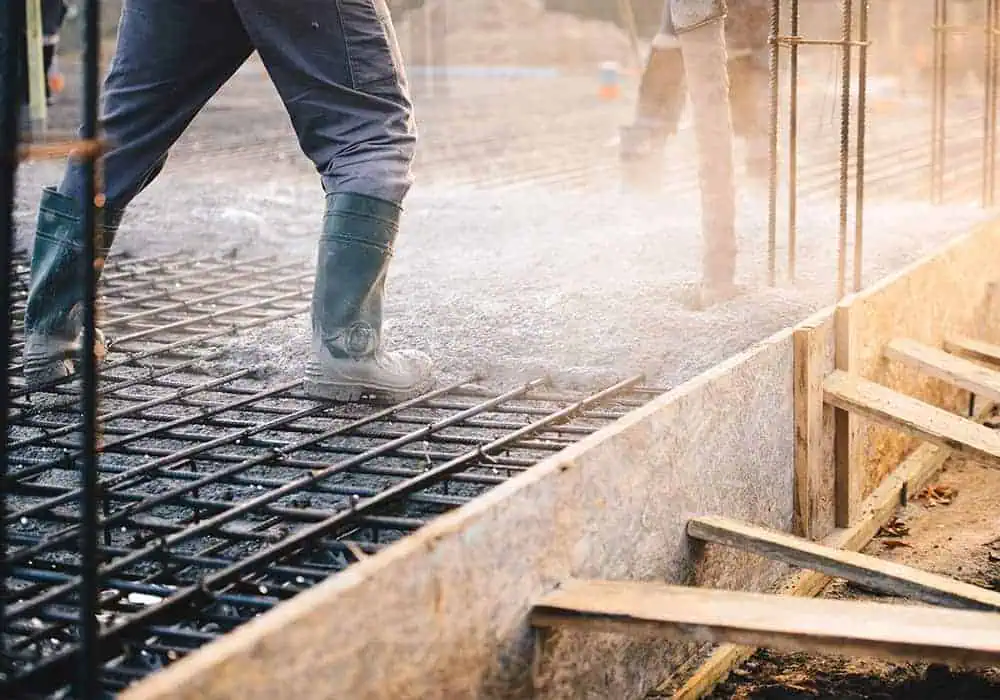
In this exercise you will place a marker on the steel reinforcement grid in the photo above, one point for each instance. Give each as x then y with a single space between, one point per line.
157 500
221 494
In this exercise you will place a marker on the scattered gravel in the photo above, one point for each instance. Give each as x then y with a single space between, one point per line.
568 275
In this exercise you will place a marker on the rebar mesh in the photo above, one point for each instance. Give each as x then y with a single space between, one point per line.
222 496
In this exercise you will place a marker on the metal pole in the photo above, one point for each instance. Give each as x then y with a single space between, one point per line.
793 142
36 66
938 96
10 107
859 182
772 203
990 106
627 15
89 678
994 23
847 9
418 47
439 51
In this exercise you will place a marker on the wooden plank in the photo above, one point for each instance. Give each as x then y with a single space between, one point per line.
880 575
849 470
909 477
973 349
808 394
955 370
37 104
914 417
784 623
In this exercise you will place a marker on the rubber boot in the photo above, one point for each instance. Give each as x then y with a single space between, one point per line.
348 361
53 314
660 105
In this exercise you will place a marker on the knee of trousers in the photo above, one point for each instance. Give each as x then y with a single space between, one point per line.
376 160
388 180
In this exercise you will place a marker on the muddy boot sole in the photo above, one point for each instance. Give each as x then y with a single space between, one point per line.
60 364
353 393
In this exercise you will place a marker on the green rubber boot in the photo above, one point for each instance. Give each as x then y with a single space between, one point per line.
53 314
348 361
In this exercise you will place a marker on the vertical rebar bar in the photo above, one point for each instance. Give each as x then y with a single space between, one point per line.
418 48
439 48
793 140
772 185
862 116
10 105
847 10
938 96
89 602
36 78
990 106
994 22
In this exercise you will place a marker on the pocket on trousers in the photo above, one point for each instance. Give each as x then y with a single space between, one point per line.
369 40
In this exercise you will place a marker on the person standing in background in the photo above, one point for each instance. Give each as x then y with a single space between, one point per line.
53 15
663 92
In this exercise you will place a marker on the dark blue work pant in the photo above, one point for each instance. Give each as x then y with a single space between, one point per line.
335 63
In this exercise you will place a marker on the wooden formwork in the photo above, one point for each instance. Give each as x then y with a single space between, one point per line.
774 437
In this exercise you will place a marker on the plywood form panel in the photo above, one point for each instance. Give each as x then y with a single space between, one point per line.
444 613
948 293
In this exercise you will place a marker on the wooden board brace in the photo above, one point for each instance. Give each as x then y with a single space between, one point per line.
883 576
957 371
910 477
784 623
973 349
912 416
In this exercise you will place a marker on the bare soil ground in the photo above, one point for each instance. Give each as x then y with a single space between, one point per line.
954 531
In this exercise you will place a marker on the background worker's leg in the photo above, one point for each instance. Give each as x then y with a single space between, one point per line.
658 109
339 71
170 58
53 13
705 60
746 38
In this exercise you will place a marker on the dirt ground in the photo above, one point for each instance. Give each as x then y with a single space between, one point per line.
954 532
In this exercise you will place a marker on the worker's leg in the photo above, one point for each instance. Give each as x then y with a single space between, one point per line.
659 107
661 88
170 58
746 35
338 69
707 70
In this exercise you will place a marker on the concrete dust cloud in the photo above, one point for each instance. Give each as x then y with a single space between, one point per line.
521 254
516 33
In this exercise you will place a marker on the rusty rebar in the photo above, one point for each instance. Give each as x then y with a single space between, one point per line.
772 202
13 19
938 99
990 104
847 18
793 142
90 658
859 181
